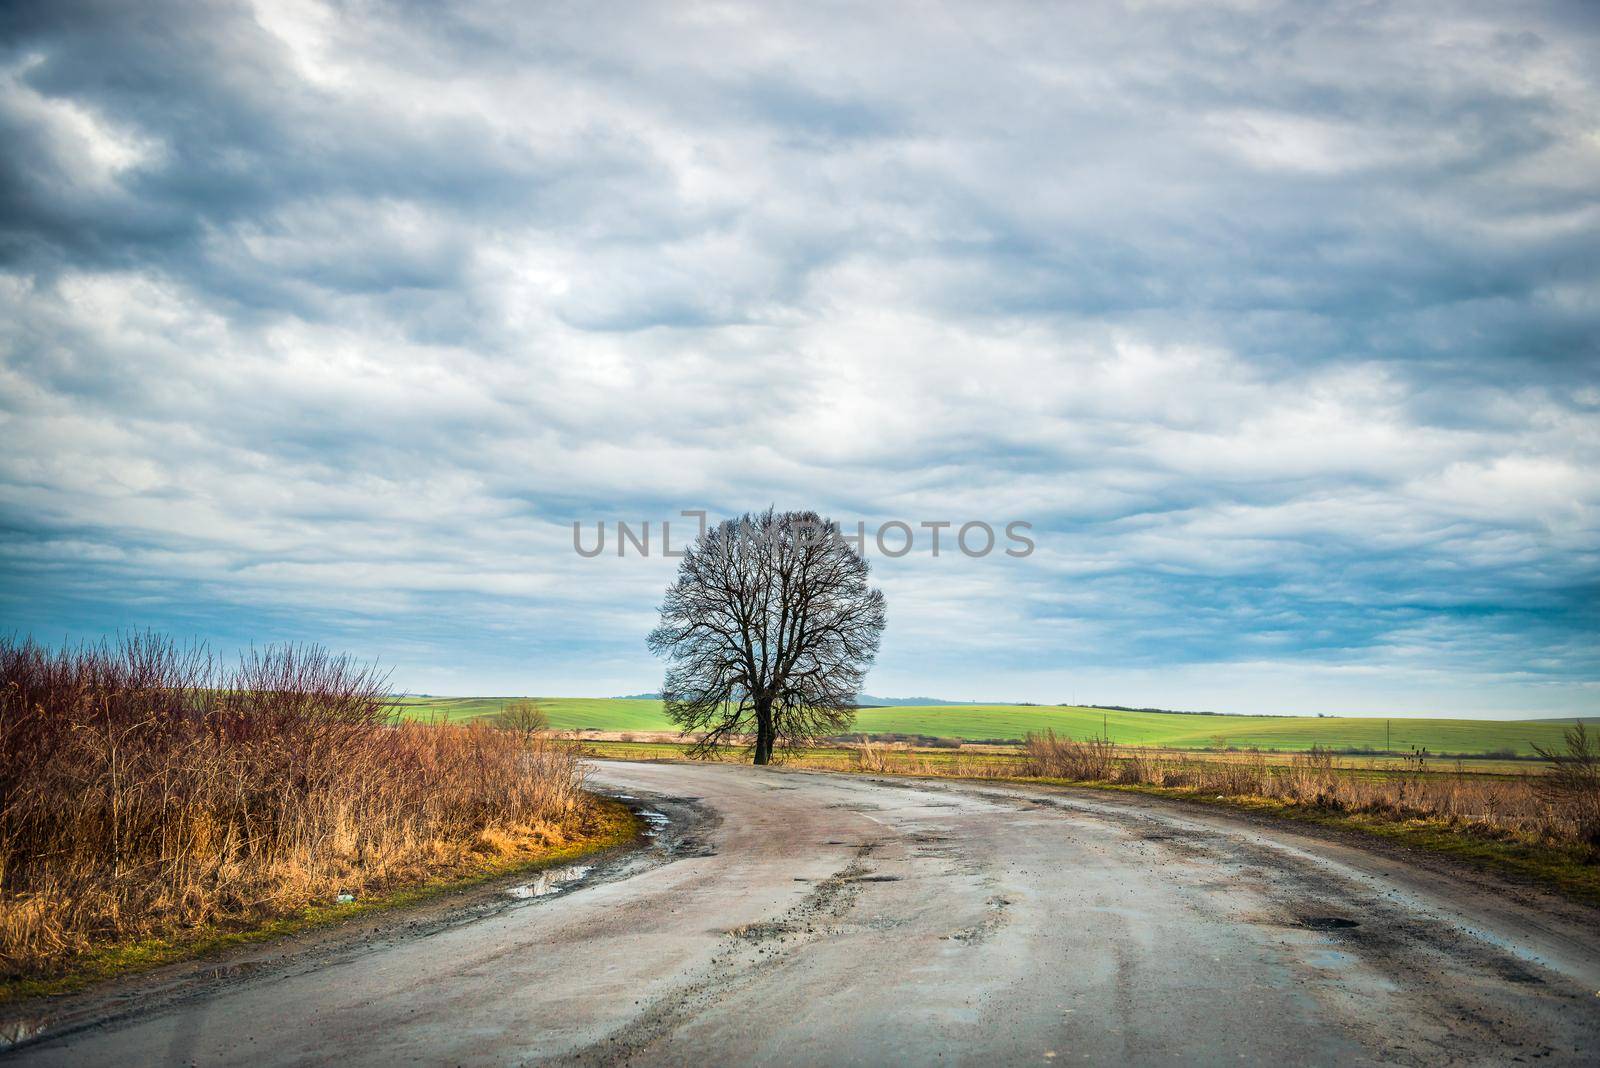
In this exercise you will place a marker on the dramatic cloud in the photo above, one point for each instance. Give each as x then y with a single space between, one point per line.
1278 321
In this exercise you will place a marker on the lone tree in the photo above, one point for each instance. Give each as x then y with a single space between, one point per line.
523 716
768 630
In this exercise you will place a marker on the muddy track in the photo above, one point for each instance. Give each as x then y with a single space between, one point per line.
796 918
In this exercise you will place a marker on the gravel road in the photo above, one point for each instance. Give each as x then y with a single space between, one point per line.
793 918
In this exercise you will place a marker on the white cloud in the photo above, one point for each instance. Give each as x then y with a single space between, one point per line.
1283 344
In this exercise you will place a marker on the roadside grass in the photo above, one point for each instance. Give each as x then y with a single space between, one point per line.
1366 734
1002 760
611 824
1493 821
148 792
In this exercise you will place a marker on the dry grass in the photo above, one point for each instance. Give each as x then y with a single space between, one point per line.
872 759
1573 783
1562 808
146 790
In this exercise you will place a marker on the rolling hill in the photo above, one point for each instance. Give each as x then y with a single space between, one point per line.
984 722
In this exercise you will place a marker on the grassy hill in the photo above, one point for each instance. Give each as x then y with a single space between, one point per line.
566 713
1013 721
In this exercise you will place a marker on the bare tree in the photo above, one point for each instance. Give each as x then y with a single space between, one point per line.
769 630
523 716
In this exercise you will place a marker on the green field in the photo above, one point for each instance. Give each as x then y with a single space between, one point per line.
978 722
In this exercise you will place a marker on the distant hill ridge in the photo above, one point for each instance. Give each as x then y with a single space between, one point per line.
863 700
1499 739
867 700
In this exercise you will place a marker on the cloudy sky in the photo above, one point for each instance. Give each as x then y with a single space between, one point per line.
1277 321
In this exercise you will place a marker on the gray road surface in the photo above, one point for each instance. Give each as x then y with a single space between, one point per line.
789 918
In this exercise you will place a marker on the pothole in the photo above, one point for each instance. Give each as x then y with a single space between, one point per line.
550 882
692 847
762 931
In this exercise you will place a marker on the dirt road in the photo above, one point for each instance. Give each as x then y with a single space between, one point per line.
790 918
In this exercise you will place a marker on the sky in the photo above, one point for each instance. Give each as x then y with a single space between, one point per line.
1277 322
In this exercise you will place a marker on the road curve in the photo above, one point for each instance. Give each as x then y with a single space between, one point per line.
793 918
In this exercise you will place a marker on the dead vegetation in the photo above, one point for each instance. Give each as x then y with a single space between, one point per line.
1561 806
1572 785
146 790
872 758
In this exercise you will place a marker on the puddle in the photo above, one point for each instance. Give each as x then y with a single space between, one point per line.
551 882
1327 923
20 1030
235 971
656 820
1330 959
624 797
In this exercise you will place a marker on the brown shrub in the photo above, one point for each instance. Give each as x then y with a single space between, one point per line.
871 758
1572 785
1050 757
144 790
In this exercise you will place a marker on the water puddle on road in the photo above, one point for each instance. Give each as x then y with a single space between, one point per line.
656 820
1330 959
551 882
20 1030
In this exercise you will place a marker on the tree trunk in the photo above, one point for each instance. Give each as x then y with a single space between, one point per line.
764 731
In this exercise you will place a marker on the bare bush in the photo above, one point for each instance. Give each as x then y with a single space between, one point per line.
145 790
871 758
1571 786
1050 757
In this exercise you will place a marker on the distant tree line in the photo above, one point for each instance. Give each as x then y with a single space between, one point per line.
1125 708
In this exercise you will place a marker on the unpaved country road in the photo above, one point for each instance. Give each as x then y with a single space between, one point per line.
791 918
